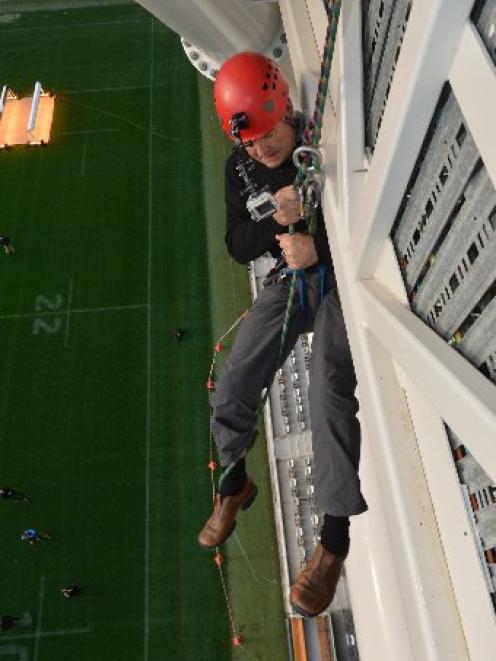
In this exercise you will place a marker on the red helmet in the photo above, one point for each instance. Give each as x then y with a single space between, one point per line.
252 84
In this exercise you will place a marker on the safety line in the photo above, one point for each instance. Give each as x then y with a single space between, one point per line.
95 90
68 312
146 627
254 575
73 25
130 122
82 170
83 131
37 635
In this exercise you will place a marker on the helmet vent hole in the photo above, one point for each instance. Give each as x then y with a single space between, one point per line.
274 86
265 86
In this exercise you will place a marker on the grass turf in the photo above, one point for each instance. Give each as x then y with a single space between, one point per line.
104 417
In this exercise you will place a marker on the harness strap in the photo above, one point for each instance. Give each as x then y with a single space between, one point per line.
300 274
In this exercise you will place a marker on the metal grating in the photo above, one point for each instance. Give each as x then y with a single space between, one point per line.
445 238
480 499
384 25
484 18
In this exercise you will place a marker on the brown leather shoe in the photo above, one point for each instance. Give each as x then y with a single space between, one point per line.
223 520
314 588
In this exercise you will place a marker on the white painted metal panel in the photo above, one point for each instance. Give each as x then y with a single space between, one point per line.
462 396
460 549
473 78
219 28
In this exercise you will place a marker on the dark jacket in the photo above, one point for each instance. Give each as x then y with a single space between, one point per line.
247 239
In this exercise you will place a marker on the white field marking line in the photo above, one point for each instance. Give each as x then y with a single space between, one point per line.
90 90
146 613
88 131
37 634
73 25
83 157
46 634
43 313
68 312
250 566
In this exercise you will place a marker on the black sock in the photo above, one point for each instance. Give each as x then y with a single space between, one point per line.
235 480
335 536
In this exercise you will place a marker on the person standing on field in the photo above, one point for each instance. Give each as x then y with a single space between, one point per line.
7 244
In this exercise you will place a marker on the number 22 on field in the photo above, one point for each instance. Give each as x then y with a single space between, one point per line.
48 324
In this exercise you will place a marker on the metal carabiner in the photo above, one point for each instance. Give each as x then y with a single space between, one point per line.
307 155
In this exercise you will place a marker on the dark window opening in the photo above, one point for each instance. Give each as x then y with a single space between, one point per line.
461 135
492 218
443 175
453 283
472 253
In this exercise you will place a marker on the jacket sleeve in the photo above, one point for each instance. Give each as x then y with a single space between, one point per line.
245 238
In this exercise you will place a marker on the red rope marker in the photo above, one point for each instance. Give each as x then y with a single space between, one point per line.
237 640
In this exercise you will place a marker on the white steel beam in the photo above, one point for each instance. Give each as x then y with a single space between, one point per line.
463 397
459 543
318 18
352 140
303 50
422 590
473 79
421 72
381 623
424 584
418 583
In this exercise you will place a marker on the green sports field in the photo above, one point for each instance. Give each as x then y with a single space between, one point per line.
117 226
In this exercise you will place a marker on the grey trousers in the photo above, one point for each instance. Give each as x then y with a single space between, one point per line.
251 367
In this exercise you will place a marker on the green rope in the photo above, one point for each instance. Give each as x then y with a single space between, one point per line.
312 137
313 132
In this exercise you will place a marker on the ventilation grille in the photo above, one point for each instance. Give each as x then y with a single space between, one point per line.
484 17
445 238
480 499
384 26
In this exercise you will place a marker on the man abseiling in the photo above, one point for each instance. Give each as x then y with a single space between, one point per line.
253 104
